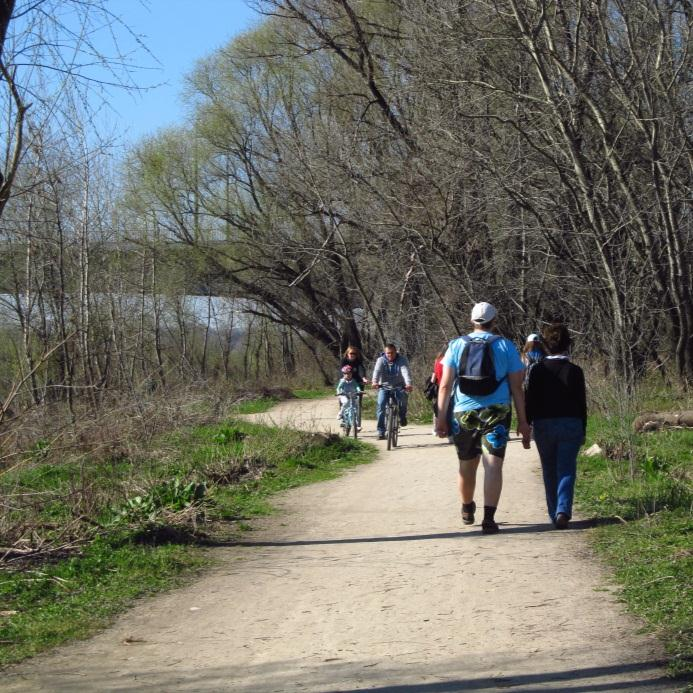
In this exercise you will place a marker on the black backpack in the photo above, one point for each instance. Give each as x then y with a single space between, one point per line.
476 375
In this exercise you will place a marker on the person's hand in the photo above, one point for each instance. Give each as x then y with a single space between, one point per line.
364 380
408 388
442 430
524 430
376 386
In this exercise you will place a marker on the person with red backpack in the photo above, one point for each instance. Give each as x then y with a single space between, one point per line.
481 373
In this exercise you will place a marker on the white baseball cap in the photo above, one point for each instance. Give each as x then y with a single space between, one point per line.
483 312
534 338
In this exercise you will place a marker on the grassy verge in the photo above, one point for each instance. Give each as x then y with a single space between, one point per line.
125 528
643 481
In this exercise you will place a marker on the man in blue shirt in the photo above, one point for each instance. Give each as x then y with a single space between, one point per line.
481 423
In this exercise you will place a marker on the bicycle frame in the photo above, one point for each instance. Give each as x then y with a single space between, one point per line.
351 413
392 415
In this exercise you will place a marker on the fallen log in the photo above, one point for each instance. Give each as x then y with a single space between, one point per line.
654 421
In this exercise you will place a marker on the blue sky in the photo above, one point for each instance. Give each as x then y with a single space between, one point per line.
178 33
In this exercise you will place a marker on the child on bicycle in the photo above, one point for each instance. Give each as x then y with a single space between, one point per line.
345 387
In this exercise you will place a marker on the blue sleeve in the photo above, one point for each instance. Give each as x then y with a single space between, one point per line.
512 356
452 355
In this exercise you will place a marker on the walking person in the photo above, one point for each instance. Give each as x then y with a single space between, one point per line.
391 369
481 373
557 409
533 351
434 383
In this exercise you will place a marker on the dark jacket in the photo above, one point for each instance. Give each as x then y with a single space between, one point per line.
358 369
555 389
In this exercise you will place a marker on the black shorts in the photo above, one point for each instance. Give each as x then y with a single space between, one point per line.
483 430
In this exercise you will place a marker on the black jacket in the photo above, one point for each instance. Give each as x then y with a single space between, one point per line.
556 388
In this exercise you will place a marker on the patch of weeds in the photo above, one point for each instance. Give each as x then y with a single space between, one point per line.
644 479
74 598
194 478
316 393
256 406
653 561
173 495
291 458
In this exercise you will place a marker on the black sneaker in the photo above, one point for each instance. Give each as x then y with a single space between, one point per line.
489 527
468 513
561 521
403 421
381 436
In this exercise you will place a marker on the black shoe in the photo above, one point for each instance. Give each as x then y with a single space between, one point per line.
381 436
561 521
489 527
403 421
468 513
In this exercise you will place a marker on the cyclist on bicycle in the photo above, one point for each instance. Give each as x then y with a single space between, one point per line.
346 386
391 369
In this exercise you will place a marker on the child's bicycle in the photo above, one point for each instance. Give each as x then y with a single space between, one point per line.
351 414
392 415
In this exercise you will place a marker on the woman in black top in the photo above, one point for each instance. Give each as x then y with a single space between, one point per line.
352 357
557 409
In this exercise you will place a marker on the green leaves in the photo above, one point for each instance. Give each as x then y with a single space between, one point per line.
171 496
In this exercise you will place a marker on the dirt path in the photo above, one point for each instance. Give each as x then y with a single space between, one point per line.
370 582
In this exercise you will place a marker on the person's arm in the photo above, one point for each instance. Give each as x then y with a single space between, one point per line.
530 386
375 379
447 383
406 374
362 373
582 400
515 380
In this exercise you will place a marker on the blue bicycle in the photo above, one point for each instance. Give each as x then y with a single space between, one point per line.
351 414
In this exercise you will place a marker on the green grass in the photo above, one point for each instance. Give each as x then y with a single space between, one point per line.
213 474
314 393
256 406
73 598
644 481
652 560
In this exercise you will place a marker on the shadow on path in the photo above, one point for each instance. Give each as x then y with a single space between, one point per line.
533 683
505 529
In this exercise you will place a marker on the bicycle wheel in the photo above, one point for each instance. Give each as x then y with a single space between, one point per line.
356 409
390 426
348 420
395 427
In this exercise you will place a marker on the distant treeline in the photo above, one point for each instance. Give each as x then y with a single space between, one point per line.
360 172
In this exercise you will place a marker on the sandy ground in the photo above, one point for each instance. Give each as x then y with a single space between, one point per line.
371 582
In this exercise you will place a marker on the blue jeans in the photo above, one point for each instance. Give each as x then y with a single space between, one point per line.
380 406
558 441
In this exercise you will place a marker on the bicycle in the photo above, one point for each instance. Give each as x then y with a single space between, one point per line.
392 415
351 414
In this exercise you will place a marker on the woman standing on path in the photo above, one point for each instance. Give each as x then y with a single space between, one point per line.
556 405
